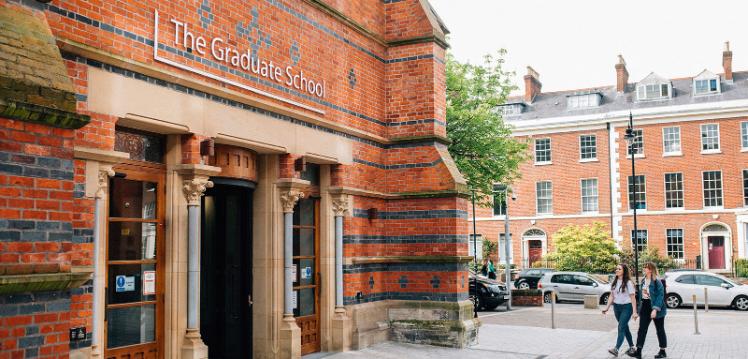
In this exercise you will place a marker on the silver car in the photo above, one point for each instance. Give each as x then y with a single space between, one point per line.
572 286
682 286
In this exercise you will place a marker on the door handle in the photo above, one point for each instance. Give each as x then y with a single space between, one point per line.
249 300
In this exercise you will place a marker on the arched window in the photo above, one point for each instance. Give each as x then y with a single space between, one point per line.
534 233
715 228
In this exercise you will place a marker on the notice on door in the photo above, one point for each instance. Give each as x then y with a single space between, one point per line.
124 283
149 282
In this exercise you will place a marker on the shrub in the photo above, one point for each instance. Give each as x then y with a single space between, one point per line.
587 248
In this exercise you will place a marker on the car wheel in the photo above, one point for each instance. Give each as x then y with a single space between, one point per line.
478 303
547 297
673 301
523 286
604 298
741 303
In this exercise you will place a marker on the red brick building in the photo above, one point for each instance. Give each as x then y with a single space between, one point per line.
690 156
181 179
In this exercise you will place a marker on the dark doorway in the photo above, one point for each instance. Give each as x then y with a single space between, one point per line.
716 252
226 269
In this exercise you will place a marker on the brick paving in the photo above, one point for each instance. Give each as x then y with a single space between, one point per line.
581 333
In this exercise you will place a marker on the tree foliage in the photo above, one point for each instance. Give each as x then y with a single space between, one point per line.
587 248
651 254
482 146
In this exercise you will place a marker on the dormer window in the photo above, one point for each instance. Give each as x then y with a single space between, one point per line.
583 100
706 83
654 87
513 109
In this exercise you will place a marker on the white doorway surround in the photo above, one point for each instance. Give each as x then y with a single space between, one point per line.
713 235
533 234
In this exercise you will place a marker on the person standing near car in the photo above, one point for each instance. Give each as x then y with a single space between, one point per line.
652 309
491 270
623 299
484 268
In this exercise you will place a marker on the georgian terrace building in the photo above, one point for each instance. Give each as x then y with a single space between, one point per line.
209 178
691 159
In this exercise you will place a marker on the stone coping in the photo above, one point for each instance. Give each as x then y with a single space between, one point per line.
44 282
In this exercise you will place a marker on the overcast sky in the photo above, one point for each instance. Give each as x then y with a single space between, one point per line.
574 43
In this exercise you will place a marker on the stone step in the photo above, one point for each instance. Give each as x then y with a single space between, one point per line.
376 335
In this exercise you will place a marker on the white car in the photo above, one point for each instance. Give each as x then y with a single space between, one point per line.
721 291
572 286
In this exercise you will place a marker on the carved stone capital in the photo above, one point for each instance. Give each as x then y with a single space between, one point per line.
289 198
105 171
340 204
194 188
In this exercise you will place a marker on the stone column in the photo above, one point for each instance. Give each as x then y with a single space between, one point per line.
290 338
105 171
193 189
340 323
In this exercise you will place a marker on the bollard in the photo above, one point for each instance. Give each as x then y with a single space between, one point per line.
706 300
553 310
695 317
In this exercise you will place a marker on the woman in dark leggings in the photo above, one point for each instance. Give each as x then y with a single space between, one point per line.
623 299
652 310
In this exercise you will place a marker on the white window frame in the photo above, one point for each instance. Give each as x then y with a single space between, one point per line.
682 244
744 136
596 195
665 138
641 92
493 208
510 110
646 239
721 190
745 187
629 193
478 247
582 101
582 147
701 134
682 191
550 151
709 91
549 198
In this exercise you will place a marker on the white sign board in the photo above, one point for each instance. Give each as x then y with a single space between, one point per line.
124 283
295 299
149 282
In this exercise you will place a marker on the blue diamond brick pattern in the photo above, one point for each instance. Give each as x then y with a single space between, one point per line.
371 282
352 78
435 281
295 53
253 33
206 16
403 282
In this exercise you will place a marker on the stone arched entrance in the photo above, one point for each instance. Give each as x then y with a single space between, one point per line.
534 246
716 246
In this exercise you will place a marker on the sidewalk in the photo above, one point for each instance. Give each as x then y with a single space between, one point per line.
526 333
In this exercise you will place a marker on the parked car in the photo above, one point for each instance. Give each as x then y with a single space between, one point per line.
528 278
722 292
490 294
572 286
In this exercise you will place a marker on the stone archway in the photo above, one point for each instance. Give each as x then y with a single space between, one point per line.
534 246
716 246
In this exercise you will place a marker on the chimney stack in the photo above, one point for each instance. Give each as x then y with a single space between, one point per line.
532 84
727 62
622 75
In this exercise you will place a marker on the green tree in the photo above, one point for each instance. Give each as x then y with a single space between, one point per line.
482 146
587 248
651 254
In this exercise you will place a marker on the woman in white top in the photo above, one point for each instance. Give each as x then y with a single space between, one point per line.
623 298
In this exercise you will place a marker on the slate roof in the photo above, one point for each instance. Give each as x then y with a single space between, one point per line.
553 104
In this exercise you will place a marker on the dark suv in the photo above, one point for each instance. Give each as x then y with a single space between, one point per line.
529 277
491 293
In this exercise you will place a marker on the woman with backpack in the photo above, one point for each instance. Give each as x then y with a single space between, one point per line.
623 299
652 309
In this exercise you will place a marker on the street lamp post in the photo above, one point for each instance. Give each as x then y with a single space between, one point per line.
630 139
475 258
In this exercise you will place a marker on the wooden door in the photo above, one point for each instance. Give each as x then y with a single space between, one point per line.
716 252
135 263
306 262
535 251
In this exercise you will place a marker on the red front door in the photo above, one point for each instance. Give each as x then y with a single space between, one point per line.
535 251
716 252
